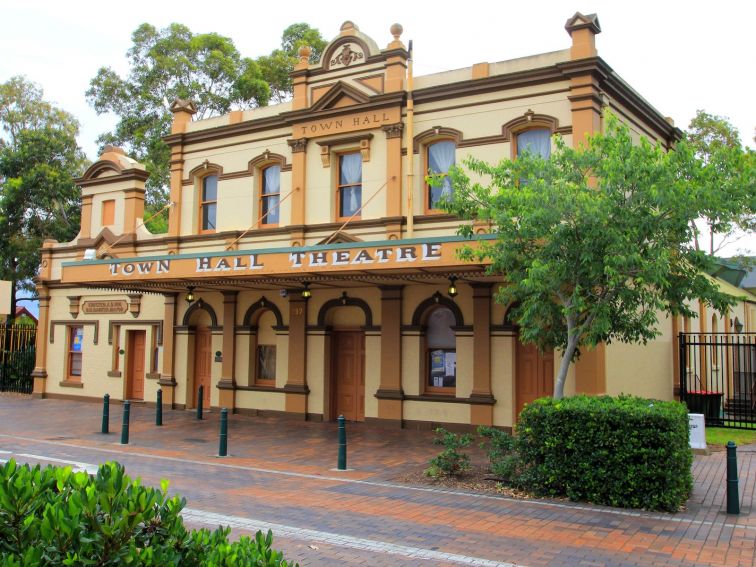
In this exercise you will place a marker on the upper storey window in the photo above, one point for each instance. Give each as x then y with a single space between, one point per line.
209 204
441 157
349 190
270 195
536 141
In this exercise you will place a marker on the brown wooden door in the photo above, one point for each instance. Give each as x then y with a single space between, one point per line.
348 367
535 375
135 365
203 346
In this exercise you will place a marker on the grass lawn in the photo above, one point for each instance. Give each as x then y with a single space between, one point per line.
720 436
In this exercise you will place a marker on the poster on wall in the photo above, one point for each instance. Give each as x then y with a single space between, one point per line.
437 362
77 339
450 364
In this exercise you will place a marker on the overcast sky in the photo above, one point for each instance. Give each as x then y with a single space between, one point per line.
680 56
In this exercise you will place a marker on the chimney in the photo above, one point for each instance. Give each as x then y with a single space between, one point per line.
583 30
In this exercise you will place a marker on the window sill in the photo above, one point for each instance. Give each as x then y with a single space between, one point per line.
70 384
152 375
260 388
114 373
437 397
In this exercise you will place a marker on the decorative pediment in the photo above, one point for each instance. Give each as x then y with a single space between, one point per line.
339 237
101 243
340 95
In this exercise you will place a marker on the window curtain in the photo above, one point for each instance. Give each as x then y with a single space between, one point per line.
537 141
351 183
271 194
440 159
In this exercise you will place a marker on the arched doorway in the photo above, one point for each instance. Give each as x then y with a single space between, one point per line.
200 319
346 317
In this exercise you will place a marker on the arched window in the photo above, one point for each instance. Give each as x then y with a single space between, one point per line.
441 351
440 157
536 141
270 195
209 204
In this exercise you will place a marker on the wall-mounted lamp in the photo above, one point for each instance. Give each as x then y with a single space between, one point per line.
189 294
452 286
306 293
738 326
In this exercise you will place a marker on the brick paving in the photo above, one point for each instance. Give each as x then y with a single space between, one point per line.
280 473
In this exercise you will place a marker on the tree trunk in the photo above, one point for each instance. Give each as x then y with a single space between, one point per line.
564 365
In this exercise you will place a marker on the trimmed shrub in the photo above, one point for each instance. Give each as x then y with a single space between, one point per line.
451 461
626 451
503 460
53 516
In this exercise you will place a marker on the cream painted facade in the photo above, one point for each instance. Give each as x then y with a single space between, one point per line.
363 342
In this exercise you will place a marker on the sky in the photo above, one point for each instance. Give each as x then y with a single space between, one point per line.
680 56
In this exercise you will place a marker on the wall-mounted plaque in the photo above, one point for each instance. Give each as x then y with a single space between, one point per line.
104 307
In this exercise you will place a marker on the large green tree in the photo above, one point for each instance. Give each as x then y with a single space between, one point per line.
277 66
39 158
173 63
716 143
593 243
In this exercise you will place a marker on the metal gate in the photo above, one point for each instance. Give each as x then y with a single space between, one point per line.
718 377
17 357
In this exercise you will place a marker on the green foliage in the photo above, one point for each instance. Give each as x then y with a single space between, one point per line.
594 242
53 516
277 67
451 461
176 63
716 143
165 65
625 451
39 158
503 460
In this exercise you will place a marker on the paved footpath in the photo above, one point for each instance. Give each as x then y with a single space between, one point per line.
280 476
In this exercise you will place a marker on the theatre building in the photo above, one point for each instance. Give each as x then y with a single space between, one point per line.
307 270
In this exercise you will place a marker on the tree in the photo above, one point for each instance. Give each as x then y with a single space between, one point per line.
164 65
277 67
716 142
39 158
593 243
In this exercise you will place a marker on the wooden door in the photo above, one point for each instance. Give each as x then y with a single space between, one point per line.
348 371
203 346
535 375
135 346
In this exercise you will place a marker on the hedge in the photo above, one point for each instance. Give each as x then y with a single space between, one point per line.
54 516
626 452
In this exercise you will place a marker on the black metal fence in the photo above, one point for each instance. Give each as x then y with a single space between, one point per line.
718 377
17 356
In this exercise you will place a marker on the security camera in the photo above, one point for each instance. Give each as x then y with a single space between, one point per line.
283 293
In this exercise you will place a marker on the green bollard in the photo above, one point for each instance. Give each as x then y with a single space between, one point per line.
125 424
200 394
106 413
733 500
223 447
159 408
342 462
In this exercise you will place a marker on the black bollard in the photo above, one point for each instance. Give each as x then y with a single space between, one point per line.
106 413
125 424
733 500
342 461
159 408
200 394
223 447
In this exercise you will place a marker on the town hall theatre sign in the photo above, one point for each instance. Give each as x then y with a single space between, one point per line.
337 257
